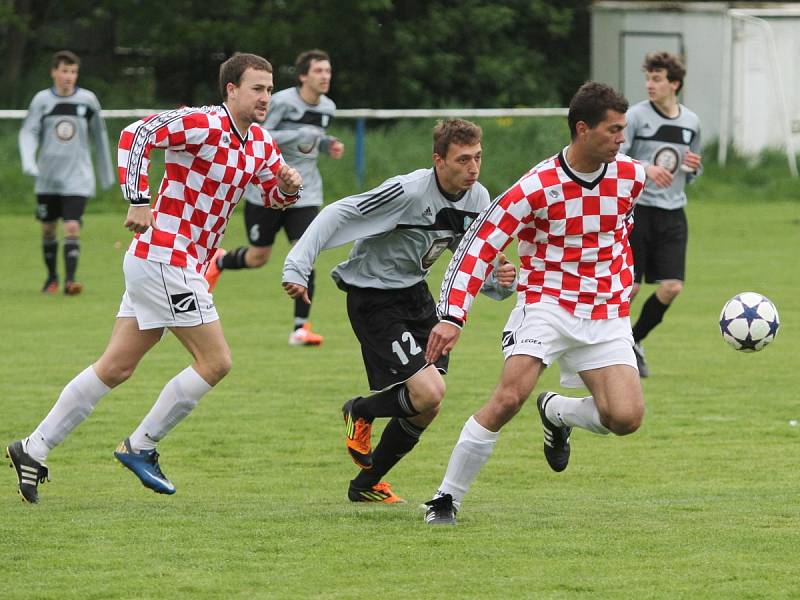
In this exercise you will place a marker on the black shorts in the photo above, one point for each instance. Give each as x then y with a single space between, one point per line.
263 224
392 327
658 242
51 207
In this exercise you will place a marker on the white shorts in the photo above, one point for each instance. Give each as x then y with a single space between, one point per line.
160 295
549 332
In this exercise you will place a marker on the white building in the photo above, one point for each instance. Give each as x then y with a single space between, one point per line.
742 59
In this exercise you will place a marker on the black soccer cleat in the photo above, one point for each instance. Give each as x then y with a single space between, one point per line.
30 472
641 363
556 439
441 511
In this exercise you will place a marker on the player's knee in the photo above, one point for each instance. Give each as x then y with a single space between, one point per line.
671 289
427 396
626 422
113 375
72 228
508 401
222 367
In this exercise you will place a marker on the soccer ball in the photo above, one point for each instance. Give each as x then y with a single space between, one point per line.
749 321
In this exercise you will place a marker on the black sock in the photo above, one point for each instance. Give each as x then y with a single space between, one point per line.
72 251
301 309
652 314
398 439
50 251
233 259
394 402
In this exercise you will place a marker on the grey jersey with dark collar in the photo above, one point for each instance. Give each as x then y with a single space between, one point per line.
401 227
299 130
54 143
653 138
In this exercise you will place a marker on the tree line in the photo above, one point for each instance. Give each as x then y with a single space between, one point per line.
385 53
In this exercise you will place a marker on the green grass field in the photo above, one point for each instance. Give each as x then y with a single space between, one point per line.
702 502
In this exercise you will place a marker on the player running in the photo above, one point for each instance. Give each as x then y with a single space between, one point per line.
212 153
402 227
298 120
572 215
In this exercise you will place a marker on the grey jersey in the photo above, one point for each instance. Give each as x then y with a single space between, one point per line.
655 139
299 130
54 143
402 227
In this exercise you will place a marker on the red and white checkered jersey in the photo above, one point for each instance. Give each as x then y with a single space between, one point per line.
573 241
208 163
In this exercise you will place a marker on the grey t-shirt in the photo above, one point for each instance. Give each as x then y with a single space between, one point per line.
401 227
653 138
54 143
299 130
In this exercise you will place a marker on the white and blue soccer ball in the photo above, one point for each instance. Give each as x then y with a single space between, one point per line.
749 321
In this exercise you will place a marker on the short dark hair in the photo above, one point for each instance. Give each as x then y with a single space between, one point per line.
671 63
303 61
454 131
591 103
64 57
231 70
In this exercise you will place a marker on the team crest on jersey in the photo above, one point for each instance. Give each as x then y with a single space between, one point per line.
81 110
687 136
65 130
183 303
226 139
325 120
667 157
468 221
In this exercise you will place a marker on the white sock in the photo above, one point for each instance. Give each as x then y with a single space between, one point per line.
575 412
74 405
473 449
176 401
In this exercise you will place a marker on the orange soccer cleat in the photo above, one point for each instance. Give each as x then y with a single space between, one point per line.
213 271
303 336
73 288
380 492
357 437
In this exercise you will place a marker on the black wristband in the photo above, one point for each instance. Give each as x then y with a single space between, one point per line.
453 320
141 201
295 195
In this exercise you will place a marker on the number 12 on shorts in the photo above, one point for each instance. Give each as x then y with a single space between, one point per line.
413 347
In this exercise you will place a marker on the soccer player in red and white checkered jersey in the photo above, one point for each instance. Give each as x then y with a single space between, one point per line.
572 215
212 153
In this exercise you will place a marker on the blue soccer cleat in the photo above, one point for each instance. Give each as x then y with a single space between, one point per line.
145 466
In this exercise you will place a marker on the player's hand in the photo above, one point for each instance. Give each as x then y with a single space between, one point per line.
660 176
336 149
506 273
289 180
692 161
441 340
139 218
295 290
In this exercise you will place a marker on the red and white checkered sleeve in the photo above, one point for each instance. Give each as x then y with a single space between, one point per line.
174 129
489 234
267 177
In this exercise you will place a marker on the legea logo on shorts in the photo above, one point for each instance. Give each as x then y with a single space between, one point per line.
183 303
